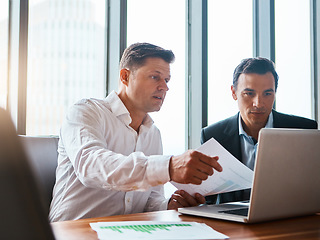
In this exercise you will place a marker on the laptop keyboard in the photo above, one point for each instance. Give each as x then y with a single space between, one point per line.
238 211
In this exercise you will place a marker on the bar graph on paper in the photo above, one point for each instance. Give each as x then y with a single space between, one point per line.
154 230
144 228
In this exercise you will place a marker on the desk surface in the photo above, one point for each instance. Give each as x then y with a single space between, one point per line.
295 228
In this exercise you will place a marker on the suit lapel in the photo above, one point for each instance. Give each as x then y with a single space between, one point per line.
277 121
231 139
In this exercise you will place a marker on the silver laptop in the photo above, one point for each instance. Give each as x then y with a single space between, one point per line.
286 180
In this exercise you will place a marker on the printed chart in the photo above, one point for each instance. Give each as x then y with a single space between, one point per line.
155 230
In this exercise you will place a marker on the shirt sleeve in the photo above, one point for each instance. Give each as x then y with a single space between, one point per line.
156 200
98 167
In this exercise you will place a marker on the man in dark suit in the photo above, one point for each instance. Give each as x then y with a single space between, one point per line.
254 87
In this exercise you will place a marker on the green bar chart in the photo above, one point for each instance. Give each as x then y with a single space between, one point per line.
150 230
144 228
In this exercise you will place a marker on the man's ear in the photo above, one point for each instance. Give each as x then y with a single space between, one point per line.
234 95
124 76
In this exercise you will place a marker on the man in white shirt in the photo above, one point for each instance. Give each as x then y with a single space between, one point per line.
110 152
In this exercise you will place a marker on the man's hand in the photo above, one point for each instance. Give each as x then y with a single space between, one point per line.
192 167
181 198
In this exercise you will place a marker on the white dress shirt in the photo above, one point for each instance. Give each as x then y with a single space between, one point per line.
104 166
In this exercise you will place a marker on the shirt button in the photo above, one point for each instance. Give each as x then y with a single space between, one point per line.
128 200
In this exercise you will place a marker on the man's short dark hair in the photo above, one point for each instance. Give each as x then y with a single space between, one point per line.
136 54
257 65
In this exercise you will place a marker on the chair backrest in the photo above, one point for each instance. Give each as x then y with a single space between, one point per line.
42 154
22 207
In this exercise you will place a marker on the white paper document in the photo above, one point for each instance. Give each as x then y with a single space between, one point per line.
154 230
234 176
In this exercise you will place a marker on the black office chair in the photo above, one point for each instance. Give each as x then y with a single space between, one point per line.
22 212
42 154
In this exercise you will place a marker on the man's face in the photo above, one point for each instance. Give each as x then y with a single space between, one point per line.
255 94
147 85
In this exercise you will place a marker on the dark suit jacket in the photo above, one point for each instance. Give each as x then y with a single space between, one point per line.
226 132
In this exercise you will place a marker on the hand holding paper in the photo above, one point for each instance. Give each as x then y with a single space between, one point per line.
235 175
192 167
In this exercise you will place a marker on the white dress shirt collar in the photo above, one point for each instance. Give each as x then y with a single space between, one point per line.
269 124
119 109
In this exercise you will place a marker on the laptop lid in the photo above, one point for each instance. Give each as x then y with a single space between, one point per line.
287 174
23 214
286 179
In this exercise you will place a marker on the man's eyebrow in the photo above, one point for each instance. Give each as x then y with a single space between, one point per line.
156 71
269 90
248 90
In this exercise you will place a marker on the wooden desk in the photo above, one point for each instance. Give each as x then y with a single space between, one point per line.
295 228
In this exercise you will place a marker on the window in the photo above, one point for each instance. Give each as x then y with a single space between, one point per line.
4 21
155 22
66 59
229 41
162 22
293 57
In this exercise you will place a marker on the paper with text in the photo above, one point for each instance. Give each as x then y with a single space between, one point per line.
154 230
235 175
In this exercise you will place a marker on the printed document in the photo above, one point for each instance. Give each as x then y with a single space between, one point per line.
154 230
234 176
